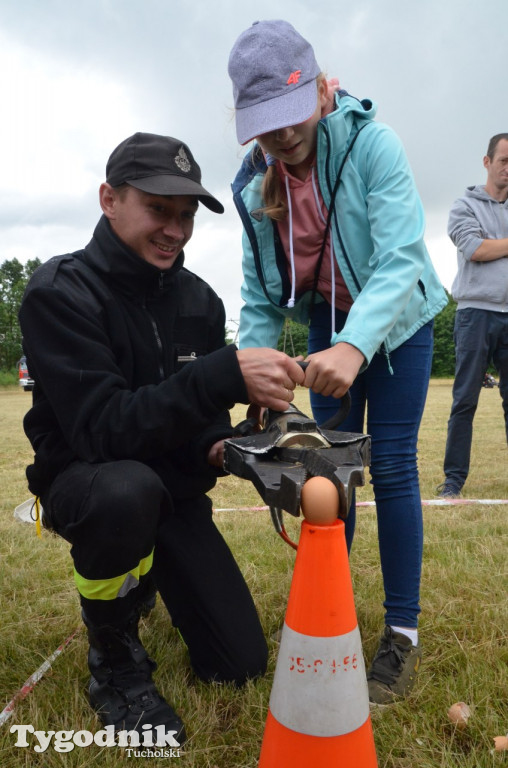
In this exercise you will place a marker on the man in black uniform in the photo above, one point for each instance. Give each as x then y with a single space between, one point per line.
133 382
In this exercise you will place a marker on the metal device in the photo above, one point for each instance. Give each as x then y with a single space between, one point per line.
291 448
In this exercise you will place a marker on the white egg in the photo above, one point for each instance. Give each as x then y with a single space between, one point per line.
320 501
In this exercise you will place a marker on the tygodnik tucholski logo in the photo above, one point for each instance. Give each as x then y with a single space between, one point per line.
152 742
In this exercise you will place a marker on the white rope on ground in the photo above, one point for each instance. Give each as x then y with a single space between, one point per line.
427 503
32 681
24 511
452 502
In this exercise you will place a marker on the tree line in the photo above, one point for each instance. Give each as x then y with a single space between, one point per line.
13 279
293 340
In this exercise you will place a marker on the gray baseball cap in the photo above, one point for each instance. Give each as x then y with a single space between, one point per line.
274 71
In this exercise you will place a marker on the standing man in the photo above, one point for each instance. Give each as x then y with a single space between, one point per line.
478 226
133 382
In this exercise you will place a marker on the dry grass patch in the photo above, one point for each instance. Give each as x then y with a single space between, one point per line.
463 627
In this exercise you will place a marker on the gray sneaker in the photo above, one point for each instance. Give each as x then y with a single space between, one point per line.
450 489
393 671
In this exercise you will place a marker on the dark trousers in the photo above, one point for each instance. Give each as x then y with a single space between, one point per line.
481 338
118 514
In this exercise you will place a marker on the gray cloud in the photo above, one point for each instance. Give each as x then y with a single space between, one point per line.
80 77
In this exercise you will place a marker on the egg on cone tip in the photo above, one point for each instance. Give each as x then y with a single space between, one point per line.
320 501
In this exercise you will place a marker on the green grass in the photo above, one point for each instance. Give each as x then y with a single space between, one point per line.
463 626
9 378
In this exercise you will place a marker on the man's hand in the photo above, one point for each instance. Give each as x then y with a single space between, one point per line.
216 454
270 376
333 370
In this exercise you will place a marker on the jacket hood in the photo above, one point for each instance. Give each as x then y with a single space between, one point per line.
349 115
361 108
478 192
120 265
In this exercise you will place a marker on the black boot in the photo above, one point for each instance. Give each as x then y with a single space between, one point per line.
121 687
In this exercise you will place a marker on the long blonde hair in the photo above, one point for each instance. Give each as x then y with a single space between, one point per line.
274 197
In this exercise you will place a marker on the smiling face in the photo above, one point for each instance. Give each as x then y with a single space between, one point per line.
295 146
156 227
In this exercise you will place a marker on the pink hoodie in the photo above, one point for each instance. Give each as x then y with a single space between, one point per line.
303 229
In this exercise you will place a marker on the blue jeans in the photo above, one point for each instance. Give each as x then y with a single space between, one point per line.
394 403
481 337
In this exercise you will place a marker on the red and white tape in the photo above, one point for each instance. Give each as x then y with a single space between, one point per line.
427 503
32 681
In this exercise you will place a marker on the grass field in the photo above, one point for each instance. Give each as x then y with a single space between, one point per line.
463 630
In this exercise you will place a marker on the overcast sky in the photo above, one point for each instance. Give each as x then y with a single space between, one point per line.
76 78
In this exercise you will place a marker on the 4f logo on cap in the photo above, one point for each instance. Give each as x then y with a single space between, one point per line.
294 77
182 161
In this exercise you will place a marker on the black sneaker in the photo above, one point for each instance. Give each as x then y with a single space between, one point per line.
450 489
393 672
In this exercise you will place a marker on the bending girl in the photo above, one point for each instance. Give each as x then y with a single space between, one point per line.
333 237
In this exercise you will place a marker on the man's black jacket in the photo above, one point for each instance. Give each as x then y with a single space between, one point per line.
103 331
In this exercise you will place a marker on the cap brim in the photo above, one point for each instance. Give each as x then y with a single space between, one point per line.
176 185
280 112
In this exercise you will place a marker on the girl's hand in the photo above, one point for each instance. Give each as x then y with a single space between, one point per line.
332 371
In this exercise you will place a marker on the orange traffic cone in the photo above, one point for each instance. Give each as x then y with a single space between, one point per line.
319 704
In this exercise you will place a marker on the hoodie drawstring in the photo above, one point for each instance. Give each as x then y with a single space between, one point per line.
291 302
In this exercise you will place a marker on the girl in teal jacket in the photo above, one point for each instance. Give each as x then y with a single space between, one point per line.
333 237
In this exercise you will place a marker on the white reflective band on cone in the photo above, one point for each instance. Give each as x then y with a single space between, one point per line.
320 685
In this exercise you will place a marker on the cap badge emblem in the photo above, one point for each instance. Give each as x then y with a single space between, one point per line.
182 161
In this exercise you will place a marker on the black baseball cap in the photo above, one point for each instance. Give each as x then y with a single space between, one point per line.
159 165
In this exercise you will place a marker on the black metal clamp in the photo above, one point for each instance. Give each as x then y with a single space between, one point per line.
290 449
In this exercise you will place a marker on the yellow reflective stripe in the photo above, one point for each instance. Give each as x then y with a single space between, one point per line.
118 586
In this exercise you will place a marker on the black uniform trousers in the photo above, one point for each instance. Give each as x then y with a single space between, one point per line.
119 514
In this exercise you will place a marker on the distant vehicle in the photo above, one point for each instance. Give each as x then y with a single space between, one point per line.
489 381
25 380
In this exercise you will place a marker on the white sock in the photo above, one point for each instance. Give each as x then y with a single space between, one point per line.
411 633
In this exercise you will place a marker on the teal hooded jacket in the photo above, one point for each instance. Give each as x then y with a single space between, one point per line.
377 226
